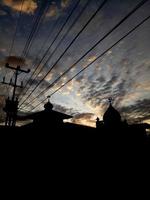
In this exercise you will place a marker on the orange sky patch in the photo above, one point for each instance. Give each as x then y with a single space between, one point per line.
29 6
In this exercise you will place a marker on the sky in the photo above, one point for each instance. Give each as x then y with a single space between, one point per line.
123 73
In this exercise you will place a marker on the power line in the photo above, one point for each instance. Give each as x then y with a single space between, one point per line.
46 52
13 39
34 20
37 21
87 23
68 31
97 43
57 35
16 28
40 17
127 34
41 48
34 29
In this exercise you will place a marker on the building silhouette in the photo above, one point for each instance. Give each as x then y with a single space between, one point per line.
111 128
111 117
48 118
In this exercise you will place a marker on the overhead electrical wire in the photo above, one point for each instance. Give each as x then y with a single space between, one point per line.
97 43
75 38
48 49
52 29
43 45
16 28
38 20
60 42
68 31
13 40
98 57
23 56
39 52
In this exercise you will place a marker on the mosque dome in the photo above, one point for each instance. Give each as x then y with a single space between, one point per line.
111 116
48 106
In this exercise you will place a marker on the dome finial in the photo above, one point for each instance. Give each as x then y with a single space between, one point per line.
48 106
48 97
110 100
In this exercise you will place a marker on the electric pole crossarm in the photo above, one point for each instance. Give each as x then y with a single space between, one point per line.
18 68
5 83
12 84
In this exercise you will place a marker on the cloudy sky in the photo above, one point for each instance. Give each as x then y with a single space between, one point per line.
28 28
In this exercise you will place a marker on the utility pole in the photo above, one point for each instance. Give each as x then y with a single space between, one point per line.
11 106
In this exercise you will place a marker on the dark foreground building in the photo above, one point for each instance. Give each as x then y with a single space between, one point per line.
48 118
112 128
51 120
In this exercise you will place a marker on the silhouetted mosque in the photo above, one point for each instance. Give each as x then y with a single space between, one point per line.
111 125
111 119
48 118
51 120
